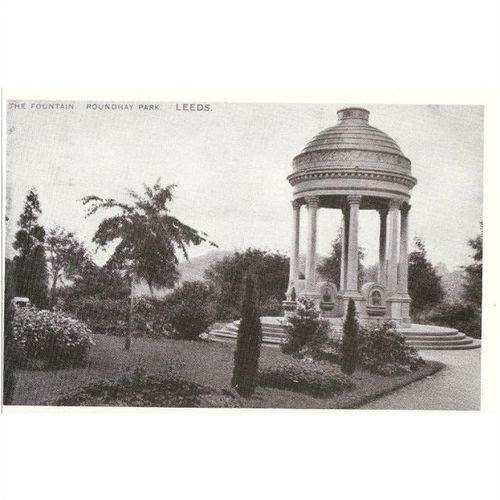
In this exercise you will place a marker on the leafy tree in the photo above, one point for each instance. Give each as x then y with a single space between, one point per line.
246 356
474 272
30 266
148 236
350 340
227 275
329 269
424 283
99 282
67 257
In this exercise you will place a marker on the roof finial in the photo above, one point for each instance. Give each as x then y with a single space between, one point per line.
353 114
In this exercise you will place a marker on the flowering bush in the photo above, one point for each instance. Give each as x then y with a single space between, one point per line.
315 378
305 328
383 350
50 338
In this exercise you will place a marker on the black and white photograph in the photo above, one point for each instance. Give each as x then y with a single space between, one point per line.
249 250
205 254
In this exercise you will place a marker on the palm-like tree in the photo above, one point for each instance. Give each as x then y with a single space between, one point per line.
149 236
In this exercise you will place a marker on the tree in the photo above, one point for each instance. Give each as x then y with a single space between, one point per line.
100 282
329 268
350 340
148 236
424 283
474 272
227 275
67 257
30 266
246 355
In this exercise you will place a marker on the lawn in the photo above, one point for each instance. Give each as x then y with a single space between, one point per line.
203 362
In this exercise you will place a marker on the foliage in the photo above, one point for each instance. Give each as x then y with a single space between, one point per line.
226 276
246 355
384 351
30 266
103 316
305 329
148 235
350 340
151 318
10 349
424 284
50 338
329 268
140 389
188 311
185 313
466 318
97 282
66 257
315 378
474 272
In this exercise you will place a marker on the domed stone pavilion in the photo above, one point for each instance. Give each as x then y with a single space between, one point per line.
354 166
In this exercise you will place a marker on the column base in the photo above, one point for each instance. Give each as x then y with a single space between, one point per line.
398 308
358 302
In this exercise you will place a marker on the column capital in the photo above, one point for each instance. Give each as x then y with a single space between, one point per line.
353 199
394 204
295 204
312 201
383 212
405 207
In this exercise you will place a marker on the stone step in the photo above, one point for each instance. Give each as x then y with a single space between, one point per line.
421 343
425 338
421 337
224 334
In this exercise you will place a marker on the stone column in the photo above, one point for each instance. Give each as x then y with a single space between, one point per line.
382 247
353 202
294 249
312 210
344 249
392 271
403 249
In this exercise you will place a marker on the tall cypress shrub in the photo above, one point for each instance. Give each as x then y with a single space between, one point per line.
350 340
246 356
30 265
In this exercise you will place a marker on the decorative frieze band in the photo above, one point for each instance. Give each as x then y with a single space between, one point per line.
312 158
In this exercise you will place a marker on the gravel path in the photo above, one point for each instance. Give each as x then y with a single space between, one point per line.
455 387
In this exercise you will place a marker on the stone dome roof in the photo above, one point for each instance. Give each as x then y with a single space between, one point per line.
353 132
352 157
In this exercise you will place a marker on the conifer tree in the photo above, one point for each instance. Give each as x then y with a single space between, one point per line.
350 340
246 356
30 265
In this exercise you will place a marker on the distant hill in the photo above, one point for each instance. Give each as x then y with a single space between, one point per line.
193 269
190 270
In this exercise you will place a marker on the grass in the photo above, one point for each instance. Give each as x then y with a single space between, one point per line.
201 362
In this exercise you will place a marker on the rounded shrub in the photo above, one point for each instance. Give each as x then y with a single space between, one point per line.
317 378
383 350
50 339
188 310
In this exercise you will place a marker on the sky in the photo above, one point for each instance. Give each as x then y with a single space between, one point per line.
230 166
